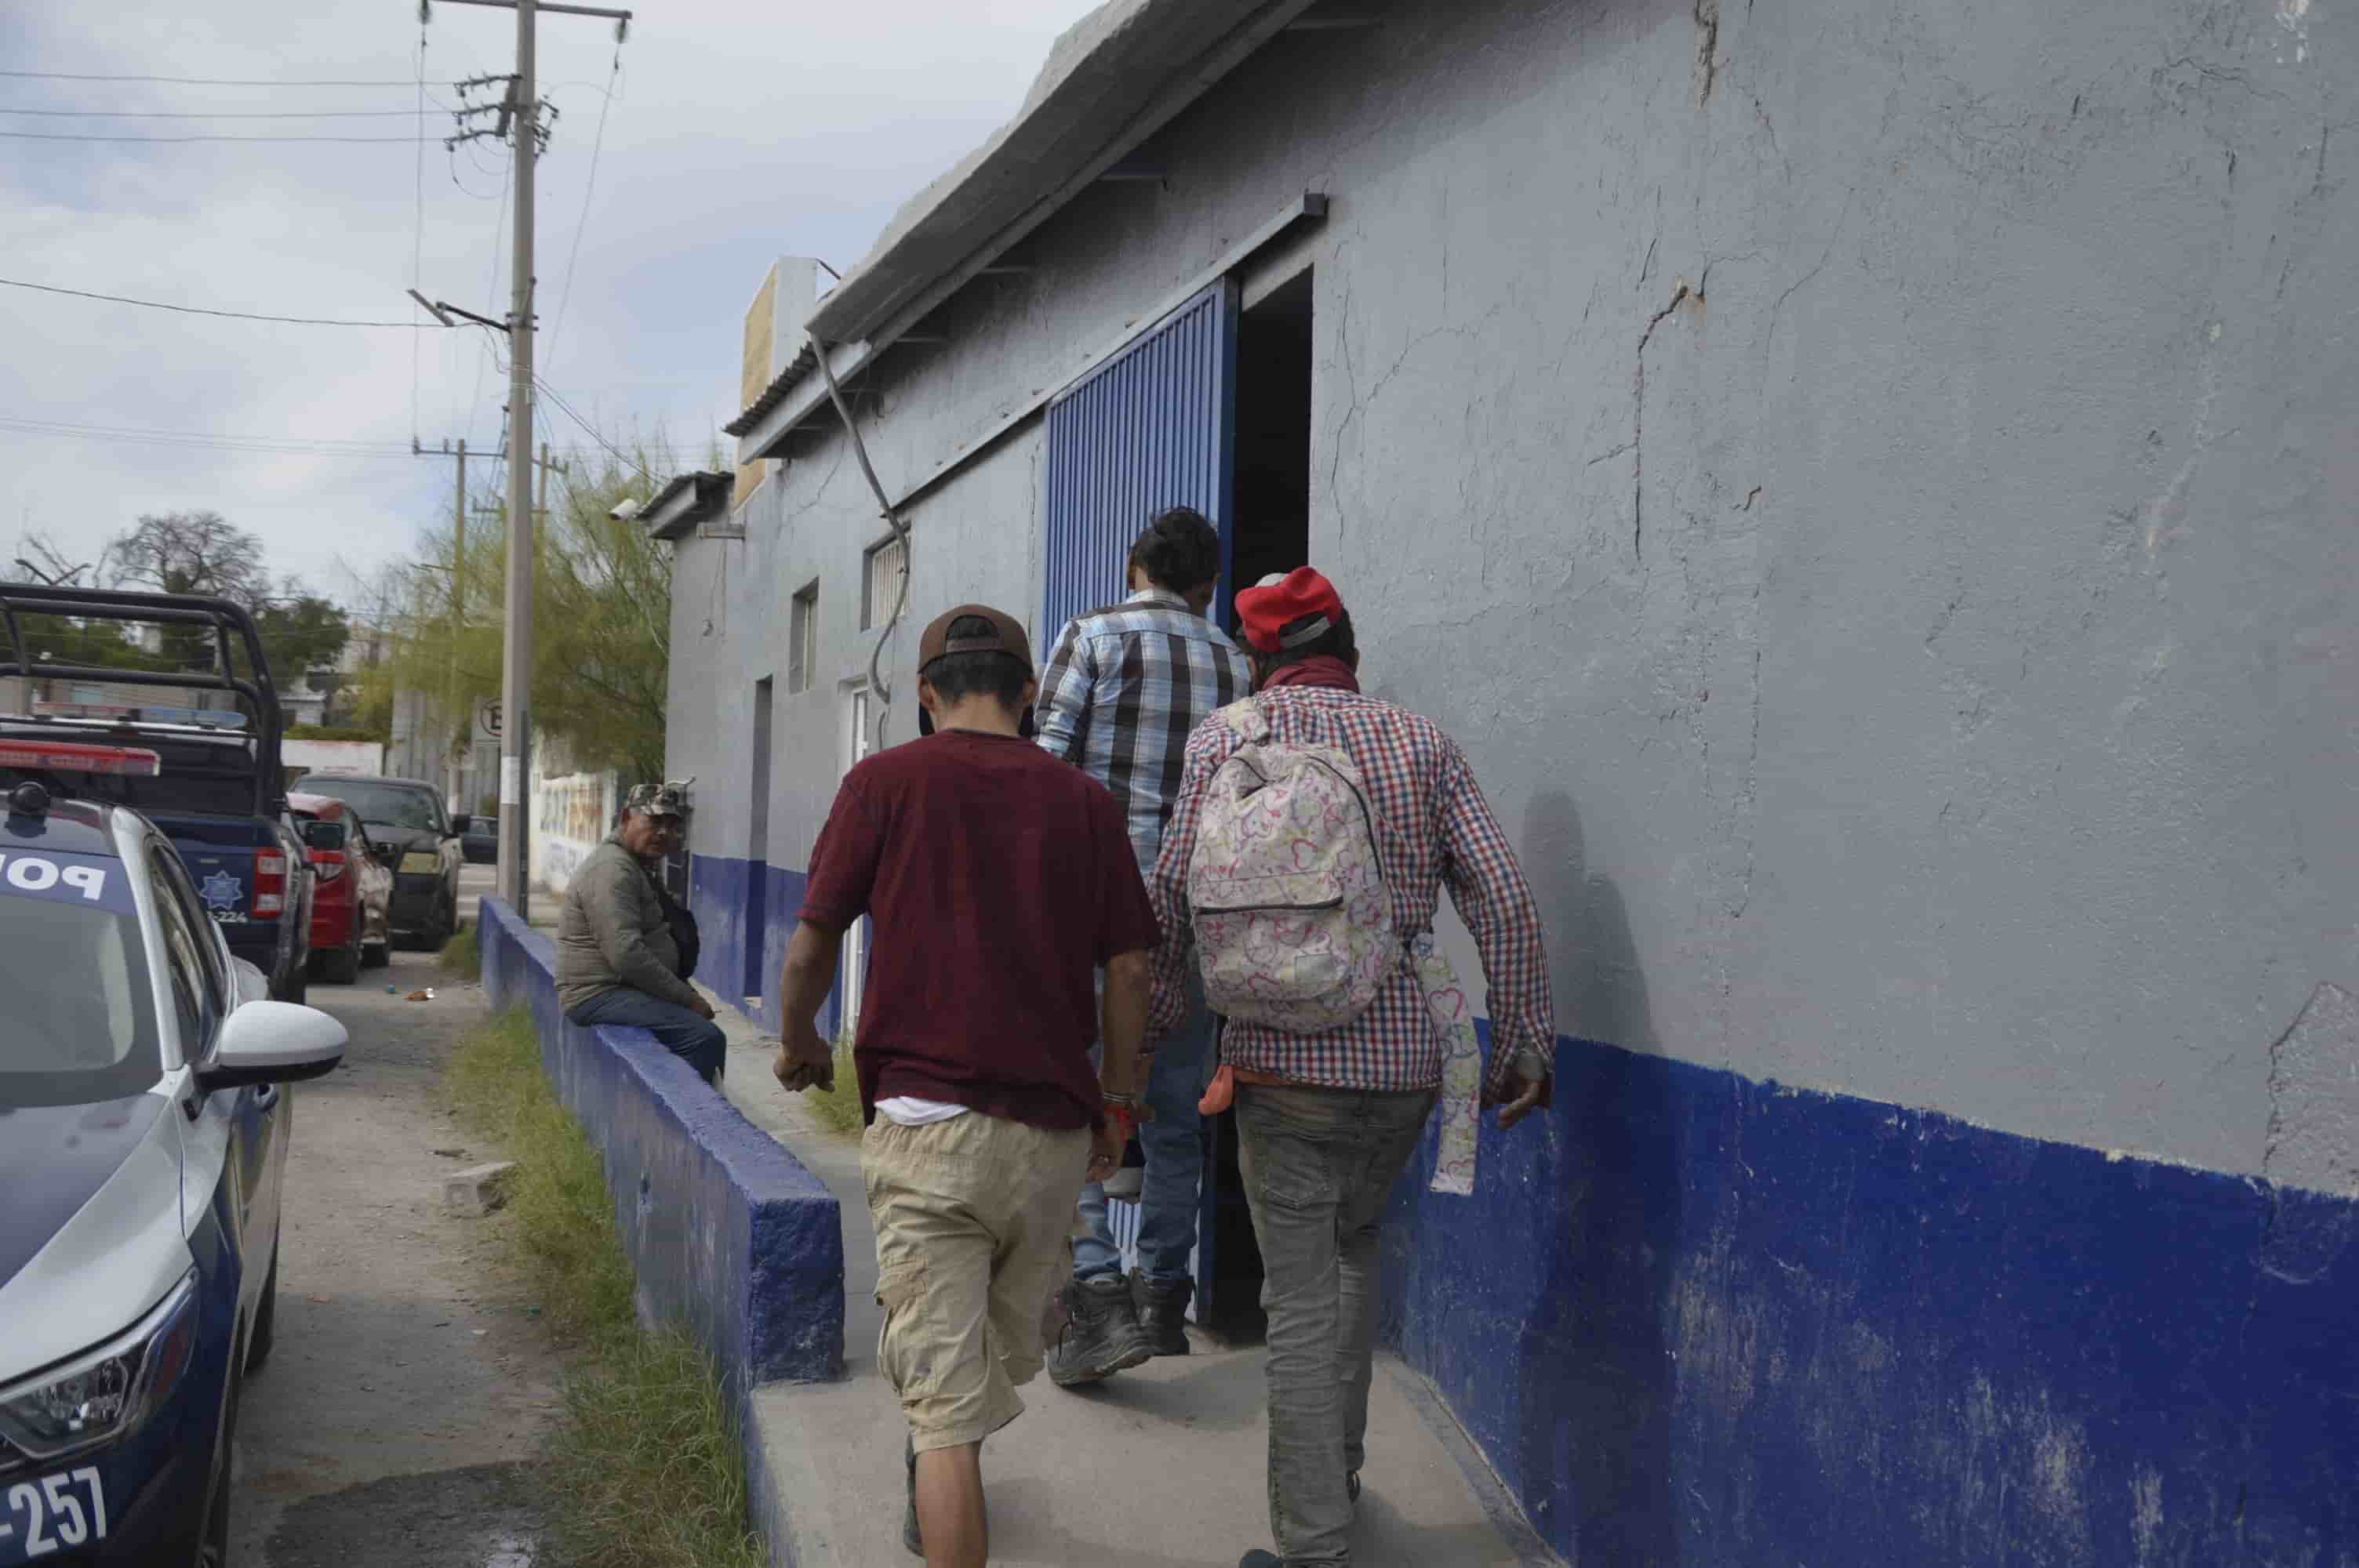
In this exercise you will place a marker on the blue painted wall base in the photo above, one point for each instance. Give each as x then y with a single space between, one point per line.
1694 1320
726 1232
744 914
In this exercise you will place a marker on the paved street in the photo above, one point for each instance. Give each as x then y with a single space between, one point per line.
411 1384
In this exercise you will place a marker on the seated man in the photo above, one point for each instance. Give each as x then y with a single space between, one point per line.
617 961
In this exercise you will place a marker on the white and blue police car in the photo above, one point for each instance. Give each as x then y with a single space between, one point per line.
143 1133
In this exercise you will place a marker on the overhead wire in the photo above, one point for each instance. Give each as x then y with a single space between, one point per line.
417 240
592 431
489 342
260 445
60 136
186 81
211 114
201 311
589 185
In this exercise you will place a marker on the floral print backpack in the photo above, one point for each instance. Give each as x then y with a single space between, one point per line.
1294 925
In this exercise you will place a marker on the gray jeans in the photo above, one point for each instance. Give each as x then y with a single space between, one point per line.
1318 1166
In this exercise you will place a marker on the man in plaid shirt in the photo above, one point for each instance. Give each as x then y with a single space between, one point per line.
1327 1122
1125 687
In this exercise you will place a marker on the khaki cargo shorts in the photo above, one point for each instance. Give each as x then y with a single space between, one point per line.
974 1217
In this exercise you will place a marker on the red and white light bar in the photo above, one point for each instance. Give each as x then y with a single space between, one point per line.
67 757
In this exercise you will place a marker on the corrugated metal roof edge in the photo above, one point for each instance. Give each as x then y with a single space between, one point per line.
1093 100
687 500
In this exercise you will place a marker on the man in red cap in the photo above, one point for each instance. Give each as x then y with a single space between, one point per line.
1327 1121
999 881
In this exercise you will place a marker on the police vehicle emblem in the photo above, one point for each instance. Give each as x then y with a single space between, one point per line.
221 892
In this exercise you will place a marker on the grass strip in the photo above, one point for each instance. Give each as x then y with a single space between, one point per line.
464 954
644 1468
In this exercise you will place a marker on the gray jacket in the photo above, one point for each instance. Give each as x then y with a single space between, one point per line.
613 934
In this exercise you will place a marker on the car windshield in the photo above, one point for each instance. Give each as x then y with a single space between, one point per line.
398 805
82 1022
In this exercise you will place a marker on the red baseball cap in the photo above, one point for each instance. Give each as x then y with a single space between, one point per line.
1267 608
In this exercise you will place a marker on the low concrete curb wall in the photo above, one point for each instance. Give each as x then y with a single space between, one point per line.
726 1232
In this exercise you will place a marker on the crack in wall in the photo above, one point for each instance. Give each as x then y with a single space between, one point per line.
1707 19
1639 426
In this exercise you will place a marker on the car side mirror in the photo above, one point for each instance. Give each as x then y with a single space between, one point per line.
272 1043
323 835
461 825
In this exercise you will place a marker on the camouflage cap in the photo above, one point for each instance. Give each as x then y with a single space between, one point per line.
658 800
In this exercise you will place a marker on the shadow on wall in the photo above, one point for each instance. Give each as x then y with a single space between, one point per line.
1602 1200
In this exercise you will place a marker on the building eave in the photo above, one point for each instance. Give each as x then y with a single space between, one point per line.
1112 80
689 501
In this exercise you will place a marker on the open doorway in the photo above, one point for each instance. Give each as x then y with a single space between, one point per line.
758 847
1272 532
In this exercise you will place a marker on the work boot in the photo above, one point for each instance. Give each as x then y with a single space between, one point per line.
1163 1313
1101 1335
910 1537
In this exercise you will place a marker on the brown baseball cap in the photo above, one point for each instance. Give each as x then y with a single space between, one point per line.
1008 637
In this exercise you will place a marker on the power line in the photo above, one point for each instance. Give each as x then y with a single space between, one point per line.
591 432
488 350
213 114
298 445
60 136
198 310
598 141
199 441
187 81
417 242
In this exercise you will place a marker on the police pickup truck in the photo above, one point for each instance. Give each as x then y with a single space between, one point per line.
217 789
144 1121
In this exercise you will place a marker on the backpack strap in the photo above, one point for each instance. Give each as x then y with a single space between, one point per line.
1246 719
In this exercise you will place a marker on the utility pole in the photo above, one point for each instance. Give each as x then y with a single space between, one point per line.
520 116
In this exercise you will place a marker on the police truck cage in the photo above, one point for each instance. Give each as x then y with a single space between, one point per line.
232 662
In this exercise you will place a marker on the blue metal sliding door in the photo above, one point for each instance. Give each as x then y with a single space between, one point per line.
1154 427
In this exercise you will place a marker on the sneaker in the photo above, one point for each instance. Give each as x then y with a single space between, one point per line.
1257 1558
910 1537
1101 1335
1163 1313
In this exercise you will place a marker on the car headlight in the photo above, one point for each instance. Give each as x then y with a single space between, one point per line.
106 1393
422 860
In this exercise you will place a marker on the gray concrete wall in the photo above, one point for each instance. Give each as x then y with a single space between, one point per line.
1871 488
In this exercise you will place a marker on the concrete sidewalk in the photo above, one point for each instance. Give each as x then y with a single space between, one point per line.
1160 1467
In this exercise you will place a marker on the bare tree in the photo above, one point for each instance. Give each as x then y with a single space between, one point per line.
188 552
39 559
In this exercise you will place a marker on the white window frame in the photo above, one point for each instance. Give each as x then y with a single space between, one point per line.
878 587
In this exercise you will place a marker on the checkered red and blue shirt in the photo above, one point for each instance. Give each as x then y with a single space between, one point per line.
1442 834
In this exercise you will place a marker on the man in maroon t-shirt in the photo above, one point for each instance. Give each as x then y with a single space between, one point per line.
999 880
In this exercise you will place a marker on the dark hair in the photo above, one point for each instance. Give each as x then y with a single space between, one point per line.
957 676
1180 550
1336 642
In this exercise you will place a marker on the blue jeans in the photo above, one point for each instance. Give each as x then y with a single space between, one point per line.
696 1041
1175 1162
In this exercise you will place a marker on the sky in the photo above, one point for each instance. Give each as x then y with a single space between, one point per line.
737 131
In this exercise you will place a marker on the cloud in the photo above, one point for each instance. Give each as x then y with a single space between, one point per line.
737 132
